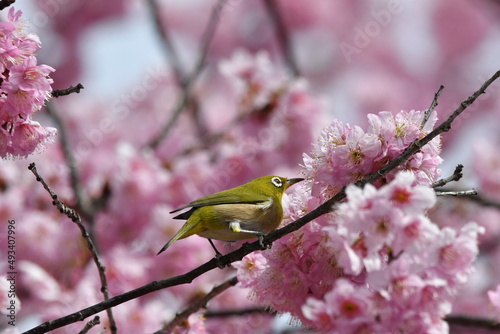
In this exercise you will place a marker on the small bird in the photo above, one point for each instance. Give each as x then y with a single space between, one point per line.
251 210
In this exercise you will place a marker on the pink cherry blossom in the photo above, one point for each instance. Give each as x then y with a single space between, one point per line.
29 137
24 89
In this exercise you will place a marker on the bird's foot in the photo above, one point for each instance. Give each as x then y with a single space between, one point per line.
218 256
219 262
263 244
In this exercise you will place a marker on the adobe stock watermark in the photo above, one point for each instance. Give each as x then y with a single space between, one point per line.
48 9
363 35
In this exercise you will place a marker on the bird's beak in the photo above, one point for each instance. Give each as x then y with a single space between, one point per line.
290 182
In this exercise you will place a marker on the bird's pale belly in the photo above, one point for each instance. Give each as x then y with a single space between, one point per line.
249 216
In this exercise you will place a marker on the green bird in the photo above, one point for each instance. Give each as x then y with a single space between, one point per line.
251 210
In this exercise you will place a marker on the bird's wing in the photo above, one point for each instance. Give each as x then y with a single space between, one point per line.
217 199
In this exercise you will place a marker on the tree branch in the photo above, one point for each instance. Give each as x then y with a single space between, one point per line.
75 217
186 92
82 203
433 105
467 321
460 193
67 91
457 175
282 35
198 304
6 3
238 312
485 201
247 248
90 324
171 53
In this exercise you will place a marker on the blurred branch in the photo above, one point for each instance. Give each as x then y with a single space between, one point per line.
82 203
186 92
210 139
73 215
457 175
471 192
433 105
174 62
239 312
171 53
197 305
248 248
6 3
468 321
90 324
282 35
485 201
67 91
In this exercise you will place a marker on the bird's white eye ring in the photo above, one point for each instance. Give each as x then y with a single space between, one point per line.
277 182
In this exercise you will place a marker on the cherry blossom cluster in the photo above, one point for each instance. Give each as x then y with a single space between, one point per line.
376 265
345 153
24 88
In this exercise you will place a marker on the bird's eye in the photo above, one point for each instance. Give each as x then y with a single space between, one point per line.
277 182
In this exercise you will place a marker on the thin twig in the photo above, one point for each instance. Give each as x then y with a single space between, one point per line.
90 324
197 305
82 203
433 105
467 321
186 92
67 91
75 217
456 176
248 248
460 193
282 35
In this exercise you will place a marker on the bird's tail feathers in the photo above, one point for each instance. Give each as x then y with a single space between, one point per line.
189 228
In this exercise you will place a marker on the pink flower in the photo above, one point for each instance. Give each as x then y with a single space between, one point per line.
29 76
29 137
39 282
404 195
344 309
250 268
457 250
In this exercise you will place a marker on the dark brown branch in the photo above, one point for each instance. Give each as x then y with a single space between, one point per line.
248 248
90 324
433 105
186 92
75 217
239 312
67 91
282 35
467 321
197 305
6 3
456 176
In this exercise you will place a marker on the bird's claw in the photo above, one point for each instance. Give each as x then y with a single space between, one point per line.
264 245
221 265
